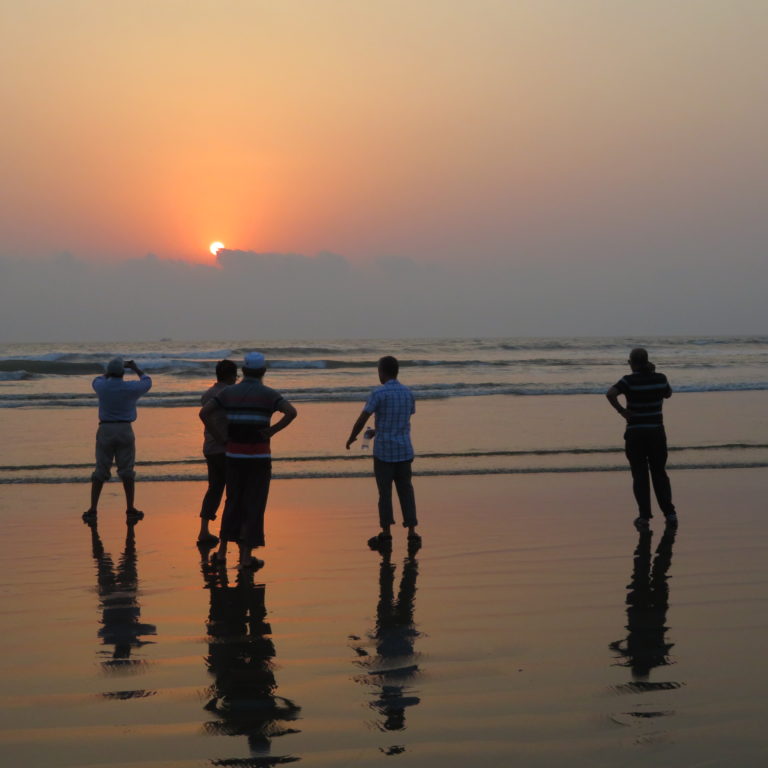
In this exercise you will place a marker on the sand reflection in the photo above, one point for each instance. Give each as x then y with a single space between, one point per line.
240 659
121 625
646 646
390 669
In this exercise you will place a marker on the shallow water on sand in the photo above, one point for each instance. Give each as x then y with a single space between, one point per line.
482 435
535 626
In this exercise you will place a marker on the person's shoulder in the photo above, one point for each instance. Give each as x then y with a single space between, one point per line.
375 395
404 388
264 388
229 391
256 388
273 393
211 392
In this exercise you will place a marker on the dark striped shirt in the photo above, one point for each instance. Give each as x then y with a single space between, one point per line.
645 393
249 406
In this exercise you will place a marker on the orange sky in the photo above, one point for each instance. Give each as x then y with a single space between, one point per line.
441 129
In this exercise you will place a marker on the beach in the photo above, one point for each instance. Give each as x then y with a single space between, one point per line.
523 242
535 626
501 645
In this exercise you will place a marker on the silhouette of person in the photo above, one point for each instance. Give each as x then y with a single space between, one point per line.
121 625
214 450
645 440
240 654
393 666
646 646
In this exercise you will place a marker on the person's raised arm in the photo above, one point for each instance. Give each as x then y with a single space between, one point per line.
135 368
357 427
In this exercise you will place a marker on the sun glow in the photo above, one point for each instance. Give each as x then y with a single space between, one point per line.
214 248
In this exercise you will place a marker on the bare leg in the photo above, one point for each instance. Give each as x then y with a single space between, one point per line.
96 486
129 486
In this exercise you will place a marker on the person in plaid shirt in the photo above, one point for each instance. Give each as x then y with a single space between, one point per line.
393 404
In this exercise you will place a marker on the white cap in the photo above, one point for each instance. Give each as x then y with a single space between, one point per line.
254 360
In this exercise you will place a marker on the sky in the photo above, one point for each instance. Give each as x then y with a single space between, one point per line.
382 168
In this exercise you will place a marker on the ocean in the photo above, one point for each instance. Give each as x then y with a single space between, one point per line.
483 403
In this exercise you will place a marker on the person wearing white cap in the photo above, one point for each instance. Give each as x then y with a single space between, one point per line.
249 406
115 441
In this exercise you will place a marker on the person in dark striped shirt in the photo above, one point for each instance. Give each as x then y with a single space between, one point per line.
249 406
645 440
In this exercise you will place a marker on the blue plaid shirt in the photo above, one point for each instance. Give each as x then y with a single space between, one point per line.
393 404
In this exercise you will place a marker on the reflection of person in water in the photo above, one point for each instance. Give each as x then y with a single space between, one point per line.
240 654
645 646
393 666
118 599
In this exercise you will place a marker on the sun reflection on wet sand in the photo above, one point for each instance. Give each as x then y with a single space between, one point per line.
501 655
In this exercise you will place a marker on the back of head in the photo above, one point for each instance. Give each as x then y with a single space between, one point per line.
254 364
638 361
225 370
115 368
389 366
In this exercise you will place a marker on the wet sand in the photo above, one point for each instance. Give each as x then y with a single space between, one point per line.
535 627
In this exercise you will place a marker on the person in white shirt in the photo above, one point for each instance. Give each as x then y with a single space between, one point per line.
115 441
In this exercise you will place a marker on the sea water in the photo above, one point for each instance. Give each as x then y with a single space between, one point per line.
483 405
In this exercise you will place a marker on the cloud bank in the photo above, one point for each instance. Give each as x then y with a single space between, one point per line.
262 295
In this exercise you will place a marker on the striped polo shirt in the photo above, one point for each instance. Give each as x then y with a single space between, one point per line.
645 393
249 406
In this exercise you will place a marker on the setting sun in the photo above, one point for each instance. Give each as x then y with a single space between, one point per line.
215 247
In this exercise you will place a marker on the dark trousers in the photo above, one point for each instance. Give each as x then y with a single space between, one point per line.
646 451
217 481
247 492
399 472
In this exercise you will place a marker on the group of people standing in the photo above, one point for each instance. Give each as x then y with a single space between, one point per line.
237 417
238 428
